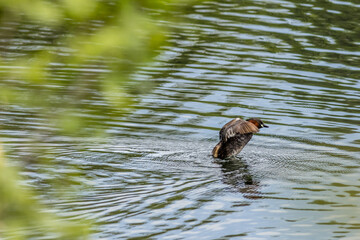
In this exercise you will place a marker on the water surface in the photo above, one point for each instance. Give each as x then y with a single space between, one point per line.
294 64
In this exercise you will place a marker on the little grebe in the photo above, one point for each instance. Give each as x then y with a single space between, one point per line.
235 135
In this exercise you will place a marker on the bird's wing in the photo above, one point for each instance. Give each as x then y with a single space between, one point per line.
236 126
226 126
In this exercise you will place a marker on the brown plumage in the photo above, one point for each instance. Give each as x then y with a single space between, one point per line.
234 135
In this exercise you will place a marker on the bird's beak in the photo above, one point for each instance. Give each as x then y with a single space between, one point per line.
265 126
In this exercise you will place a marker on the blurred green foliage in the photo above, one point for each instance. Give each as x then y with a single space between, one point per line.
22 217
110 37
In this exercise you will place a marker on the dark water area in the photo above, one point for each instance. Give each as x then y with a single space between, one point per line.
294 64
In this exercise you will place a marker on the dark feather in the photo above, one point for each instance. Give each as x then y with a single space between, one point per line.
236 126
233 146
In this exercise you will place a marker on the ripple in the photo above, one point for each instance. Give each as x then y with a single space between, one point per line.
295 65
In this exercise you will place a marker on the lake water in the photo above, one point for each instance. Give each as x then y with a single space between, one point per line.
294 64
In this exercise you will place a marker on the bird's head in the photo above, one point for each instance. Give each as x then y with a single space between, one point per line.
257 122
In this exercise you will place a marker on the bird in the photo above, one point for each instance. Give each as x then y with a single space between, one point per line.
234 135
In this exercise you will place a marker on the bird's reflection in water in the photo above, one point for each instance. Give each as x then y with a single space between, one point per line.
236 174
